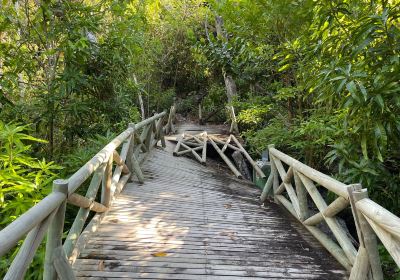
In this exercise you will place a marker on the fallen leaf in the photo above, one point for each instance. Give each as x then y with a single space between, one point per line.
100 267
230 234
228 205
159 254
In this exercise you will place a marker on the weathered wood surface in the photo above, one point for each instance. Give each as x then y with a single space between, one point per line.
188 221
194 128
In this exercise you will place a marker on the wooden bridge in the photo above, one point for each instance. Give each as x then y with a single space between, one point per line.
165 216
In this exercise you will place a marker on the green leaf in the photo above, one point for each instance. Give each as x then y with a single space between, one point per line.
364 146
352 88
379 100
284 67
363 90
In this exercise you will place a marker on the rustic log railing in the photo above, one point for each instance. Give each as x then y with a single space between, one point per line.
110 169
291 186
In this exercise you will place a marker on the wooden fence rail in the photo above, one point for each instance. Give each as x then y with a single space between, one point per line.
110 169
294 184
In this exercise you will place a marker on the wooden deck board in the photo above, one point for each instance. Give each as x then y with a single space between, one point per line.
189 221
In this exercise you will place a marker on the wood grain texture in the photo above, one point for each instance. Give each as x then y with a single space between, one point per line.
189 221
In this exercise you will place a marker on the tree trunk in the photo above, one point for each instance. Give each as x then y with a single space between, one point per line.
140 98
230 85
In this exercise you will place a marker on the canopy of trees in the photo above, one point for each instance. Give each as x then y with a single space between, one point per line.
319 79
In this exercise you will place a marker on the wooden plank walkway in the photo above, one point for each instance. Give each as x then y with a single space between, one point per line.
189 221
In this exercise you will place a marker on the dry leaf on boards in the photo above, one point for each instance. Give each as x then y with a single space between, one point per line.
159 254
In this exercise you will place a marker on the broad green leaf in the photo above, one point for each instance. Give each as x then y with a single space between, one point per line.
364 147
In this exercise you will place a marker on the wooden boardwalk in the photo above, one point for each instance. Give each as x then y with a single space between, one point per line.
188 221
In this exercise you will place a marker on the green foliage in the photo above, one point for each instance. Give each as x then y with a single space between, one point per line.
24 181
320 79
84 152
213 103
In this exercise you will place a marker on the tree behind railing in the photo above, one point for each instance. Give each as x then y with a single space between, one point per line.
48 215
291 186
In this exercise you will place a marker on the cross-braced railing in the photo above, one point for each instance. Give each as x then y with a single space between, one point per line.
291 187
109 168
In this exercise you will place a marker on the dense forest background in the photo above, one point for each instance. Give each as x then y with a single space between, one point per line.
319 79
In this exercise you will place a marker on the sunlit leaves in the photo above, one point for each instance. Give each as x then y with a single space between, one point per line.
253 116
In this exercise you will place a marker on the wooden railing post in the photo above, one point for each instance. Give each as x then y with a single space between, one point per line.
131 143
149 135
83 213
106 183
55 232
274 172
302 197
131 160
27 251
366 235
169 128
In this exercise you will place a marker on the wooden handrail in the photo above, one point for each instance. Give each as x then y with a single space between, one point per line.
324 180
40 217
371 219
11 234
386 219
85 171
